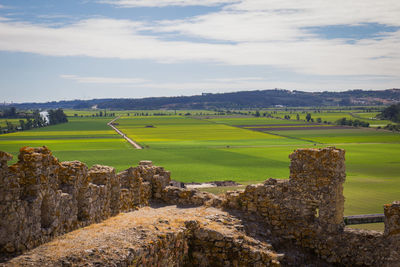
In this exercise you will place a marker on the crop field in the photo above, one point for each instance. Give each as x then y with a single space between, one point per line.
333 116
252 121
372 157
197 150
208 148
373 164
86 139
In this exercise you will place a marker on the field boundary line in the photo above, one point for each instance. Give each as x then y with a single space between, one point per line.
130 141
290 137
266 132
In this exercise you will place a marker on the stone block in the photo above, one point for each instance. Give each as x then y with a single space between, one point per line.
392 219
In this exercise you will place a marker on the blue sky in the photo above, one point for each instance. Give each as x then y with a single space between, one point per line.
84 49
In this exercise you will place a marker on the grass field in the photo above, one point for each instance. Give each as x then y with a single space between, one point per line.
86 139
211 149
328 114
196 150
253 121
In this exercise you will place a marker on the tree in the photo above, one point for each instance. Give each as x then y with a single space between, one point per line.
57 116
29 124
257 114
319 120
10 113
22 124
37 119
355 123
10 127
298 117
308 117
391 113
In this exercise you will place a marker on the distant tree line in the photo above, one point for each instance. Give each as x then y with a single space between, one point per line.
9 113
354 123
391 113
30 120
392 127
256 99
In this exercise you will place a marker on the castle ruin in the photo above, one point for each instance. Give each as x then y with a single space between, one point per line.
45 204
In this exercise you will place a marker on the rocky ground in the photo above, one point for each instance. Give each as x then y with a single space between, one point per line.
167 236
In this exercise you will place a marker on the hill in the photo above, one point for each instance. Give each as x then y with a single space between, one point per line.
234 100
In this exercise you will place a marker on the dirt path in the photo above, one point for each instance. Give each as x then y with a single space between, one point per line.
133 143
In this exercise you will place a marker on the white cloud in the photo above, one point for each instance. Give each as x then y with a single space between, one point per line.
236 79
215 85
164 3
264 32
103 80
276 20
198 87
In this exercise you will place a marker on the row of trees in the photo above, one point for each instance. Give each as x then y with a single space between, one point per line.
354 123
9 113
392 127
36 120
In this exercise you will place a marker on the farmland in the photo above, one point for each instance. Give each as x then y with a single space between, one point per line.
89 140
208 147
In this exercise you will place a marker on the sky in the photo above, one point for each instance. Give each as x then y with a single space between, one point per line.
54 50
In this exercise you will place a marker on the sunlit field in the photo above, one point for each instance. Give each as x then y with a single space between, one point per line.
241 148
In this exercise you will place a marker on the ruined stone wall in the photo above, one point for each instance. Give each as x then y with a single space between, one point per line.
41 198
308 208
210 247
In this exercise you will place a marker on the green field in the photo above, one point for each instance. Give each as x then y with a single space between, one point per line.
207 149
197 150
343 136
86 139
252 121
333 116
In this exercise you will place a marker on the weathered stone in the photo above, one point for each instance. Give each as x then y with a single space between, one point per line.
309 208
146 163
44 198
392 219
41 198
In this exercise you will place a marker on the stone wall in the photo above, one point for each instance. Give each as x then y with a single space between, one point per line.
210 247
41 198
308 208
